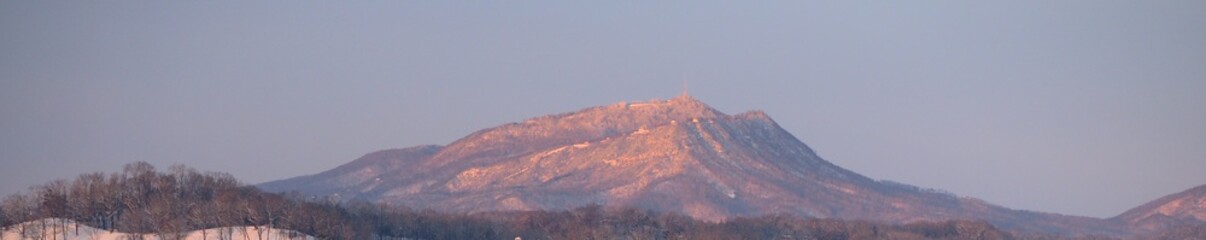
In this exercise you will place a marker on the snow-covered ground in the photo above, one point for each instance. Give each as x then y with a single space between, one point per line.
62 229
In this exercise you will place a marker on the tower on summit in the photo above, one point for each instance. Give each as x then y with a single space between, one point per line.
685 93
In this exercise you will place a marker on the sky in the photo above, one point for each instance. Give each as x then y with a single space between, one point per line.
1074 107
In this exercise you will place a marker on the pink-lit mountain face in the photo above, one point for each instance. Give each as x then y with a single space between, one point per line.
1185 208
669 155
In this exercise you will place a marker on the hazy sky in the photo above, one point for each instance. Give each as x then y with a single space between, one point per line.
1075 107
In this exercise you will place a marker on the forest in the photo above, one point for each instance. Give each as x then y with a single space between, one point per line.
140 199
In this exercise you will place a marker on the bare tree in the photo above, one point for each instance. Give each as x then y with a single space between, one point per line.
109 201
53 200
4 222
85 200
20 209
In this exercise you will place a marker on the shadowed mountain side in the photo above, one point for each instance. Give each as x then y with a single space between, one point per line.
673 155
353 178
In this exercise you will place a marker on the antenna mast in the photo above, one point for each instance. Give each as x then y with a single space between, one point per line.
685 93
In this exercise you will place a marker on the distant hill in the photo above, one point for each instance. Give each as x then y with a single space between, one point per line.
1185 208
675 155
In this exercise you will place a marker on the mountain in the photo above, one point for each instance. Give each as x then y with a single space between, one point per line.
667 155
1185 208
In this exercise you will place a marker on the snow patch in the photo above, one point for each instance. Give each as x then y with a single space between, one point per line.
724 189
640 131
844 189
582 145
547 153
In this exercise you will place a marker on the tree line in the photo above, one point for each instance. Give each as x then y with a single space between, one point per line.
140 199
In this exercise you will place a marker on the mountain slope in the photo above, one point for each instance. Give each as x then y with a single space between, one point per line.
672 155
1185 208
352 178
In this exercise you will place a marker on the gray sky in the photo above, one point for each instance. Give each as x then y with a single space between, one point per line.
1075 107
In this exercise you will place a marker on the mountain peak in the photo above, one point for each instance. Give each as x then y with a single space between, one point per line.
682 107
685 98
755 115
686 101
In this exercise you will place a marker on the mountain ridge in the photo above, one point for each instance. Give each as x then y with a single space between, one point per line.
1187 207
670 155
